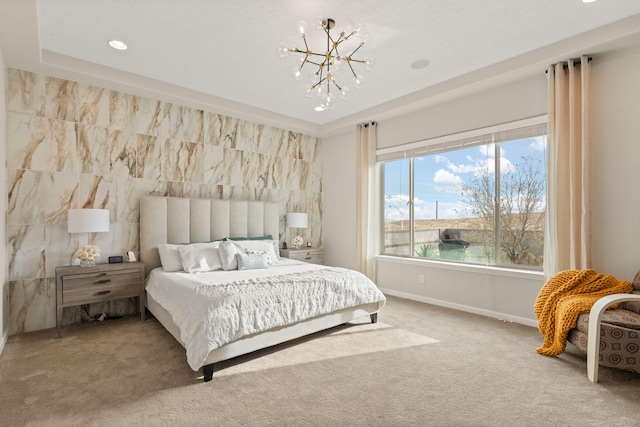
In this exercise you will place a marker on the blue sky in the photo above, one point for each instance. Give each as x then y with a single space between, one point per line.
439 178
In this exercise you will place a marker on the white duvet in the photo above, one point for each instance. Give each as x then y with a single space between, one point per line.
215 308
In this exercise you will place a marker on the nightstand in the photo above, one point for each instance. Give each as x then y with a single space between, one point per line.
77 285
312 255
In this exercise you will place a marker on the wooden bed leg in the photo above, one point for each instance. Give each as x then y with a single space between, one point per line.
207 370
374 317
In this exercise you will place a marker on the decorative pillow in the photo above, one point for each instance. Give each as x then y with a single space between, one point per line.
170 257
200 257
276 243
251 261
258 245
264 254
228 251
276 248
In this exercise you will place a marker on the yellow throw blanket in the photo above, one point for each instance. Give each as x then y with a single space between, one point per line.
564 297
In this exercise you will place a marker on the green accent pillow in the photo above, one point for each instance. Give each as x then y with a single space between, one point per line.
267 237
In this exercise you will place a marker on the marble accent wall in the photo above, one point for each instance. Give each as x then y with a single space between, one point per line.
72 145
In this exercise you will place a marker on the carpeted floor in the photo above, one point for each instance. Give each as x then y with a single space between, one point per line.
420 365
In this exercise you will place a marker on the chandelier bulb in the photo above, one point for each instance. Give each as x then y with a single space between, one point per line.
338 64
297 73
347 26
330 101
283 50
319 23
344 92
357 81
302 27
370 63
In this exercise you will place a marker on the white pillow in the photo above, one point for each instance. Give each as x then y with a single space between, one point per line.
200 257
265 254
276 248
228 251
252 261
258 245
170 257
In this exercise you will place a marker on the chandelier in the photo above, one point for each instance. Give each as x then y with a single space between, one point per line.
327 65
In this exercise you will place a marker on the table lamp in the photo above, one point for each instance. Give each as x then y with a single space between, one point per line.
297 220
88 221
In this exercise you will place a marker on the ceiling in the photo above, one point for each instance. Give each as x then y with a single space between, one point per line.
221 54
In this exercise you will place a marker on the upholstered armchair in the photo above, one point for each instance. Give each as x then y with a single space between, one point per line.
611 337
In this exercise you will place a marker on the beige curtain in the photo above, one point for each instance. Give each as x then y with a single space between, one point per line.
567 229
367 218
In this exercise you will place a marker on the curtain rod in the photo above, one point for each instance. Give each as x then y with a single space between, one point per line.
565 64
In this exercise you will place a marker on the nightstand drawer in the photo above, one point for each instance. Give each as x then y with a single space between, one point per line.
94 287
311 255
89 280
97 293
314 258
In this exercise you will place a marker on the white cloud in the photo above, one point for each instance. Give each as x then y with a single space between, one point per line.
445 177
506 166
446 182
439 158
461 168
488 150
418 201
539 143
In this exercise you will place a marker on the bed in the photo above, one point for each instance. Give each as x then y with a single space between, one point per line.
186 302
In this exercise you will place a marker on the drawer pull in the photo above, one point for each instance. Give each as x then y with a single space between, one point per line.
308 257
102 282
103 292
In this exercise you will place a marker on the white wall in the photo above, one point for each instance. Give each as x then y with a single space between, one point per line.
615 142
502 104
4 285
505 294
339 200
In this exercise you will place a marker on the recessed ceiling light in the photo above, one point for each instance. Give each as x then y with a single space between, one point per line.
117 44
420 64
588 1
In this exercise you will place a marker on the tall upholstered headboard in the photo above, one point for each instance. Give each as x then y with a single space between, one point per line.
181 220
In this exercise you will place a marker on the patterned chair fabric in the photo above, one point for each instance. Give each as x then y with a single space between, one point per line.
620 334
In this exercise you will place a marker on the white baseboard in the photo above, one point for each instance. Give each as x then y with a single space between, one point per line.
460 307
3 342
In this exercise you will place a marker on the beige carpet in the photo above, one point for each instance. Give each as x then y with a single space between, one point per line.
420 365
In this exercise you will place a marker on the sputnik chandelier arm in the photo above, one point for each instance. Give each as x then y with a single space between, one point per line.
326 64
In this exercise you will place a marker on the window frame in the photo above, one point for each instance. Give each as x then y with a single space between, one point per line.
506 132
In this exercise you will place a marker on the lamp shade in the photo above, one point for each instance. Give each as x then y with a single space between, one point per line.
88 221
297 220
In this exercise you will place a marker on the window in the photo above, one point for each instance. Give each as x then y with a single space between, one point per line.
477 197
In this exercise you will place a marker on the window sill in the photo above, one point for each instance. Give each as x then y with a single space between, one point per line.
444 265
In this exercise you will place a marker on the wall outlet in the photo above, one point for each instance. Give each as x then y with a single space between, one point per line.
421 278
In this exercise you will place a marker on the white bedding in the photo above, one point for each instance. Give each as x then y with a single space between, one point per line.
215 308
